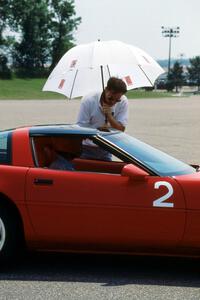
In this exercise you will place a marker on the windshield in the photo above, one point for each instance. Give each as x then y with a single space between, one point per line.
156 160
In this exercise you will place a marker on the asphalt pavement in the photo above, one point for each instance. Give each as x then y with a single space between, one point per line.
171 124
95 277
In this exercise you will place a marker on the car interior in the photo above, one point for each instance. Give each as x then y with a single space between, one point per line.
70 148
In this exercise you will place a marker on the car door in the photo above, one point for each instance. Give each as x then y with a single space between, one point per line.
87 210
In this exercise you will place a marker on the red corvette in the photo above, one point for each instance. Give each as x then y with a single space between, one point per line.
143 201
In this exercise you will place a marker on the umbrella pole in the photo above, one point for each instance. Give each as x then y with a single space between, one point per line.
102 78
103 87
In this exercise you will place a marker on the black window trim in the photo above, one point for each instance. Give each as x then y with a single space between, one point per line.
9 148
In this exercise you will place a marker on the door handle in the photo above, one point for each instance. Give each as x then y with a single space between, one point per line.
41 181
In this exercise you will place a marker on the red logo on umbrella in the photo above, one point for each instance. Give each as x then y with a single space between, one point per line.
73 63
61 84
128 80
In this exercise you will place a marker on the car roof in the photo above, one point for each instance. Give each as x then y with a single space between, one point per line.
59 129
62 129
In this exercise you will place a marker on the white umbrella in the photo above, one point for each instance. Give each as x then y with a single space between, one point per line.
88 67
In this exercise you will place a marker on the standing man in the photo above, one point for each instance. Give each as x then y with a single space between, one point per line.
104 110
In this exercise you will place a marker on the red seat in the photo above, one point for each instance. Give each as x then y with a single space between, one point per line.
98 166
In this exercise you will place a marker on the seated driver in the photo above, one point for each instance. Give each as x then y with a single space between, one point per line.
56 161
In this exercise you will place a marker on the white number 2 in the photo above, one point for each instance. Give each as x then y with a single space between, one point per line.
160 201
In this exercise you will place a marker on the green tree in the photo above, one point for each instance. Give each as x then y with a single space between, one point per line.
44 33
63 25
5 41
5 72
194 71
176 77
4 16
31 52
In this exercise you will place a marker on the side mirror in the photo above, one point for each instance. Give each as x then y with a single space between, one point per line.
134 172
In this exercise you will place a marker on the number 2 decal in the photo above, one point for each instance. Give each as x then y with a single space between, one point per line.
160 201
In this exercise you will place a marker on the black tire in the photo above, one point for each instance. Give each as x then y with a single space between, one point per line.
10 234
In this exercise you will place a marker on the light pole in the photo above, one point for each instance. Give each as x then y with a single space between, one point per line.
170 32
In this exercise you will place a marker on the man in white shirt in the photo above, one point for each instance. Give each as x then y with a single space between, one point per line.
104 110
109 108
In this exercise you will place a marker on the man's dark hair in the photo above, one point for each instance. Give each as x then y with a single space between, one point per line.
116 85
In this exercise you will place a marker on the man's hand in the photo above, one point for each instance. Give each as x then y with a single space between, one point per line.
107 110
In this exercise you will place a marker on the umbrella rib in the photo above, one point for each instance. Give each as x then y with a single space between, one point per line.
145 75
73 84
108 71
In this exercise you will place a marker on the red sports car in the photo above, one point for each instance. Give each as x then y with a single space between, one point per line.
142 201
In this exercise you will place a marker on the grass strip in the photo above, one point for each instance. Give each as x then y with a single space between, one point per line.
27 89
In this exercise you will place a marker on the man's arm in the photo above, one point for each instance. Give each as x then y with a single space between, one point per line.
83 118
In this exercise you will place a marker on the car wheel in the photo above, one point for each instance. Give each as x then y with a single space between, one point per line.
2 234
9 234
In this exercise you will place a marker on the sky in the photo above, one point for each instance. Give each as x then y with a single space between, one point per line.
138 22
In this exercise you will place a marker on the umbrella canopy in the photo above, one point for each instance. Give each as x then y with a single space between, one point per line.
88 67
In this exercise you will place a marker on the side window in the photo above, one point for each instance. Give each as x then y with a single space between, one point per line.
5 147
56 152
